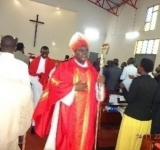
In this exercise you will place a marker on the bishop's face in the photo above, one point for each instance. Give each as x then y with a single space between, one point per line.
44 53
81 54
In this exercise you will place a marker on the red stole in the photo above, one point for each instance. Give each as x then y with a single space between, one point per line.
43 77
76 125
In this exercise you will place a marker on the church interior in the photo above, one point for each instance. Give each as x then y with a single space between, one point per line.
131 28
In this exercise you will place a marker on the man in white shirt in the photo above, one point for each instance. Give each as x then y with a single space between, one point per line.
128 70
16 106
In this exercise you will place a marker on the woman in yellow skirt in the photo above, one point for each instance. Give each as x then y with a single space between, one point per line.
136 120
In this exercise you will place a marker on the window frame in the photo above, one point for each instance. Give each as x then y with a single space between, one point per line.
151 18
136 45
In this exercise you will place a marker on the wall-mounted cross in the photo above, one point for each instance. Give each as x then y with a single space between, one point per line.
35 33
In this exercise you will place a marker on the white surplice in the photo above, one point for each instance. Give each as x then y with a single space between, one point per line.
16 101
68 99
12 68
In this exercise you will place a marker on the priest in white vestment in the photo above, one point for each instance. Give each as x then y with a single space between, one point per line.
16 105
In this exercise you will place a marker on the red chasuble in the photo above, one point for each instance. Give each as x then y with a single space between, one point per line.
77 122
43 77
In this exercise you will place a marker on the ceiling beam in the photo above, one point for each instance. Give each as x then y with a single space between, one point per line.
112 7
131 3
101 4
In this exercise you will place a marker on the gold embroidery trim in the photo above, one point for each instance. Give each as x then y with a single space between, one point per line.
44 95
54 81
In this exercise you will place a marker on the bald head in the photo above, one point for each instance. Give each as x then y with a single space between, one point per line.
8 44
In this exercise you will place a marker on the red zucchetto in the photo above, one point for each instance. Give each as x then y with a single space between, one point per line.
77 40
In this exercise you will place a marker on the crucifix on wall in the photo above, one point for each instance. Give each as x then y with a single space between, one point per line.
35 33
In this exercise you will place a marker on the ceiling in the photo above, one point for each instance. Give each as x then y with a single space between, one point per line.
113 5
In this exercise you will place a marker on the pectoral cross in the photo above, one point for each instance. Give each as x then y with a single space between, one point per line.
35 33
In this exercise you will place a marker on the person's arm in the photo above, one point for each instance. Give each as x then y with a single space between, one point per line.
130 96
124 74
68 99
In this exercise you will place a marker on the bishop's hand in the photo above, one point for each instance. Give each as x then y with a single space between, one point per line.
79 86
101 79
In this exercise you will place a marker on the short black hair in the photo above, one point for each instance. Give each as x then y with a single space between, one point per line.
116 61
8 41
131 60
67 57
20 46
44 47
147 64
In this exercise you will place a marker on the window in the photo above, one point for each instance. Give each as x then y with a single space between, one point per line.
151 17
147 46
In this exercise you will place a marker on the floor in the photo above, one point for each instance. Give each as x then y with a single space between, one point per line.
107 134
33 142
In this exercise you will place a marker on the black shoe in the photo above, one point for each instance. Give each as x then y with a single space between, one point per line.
32 130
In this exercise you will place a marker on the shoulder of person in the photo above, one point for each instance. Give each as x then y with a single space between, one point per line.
21 63
137 78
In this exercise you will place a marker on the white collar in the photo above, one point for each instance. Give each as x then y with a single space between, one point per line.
85 65
6 55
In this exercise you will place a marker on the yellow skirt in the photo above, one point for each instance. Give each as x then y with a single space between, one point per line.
131 133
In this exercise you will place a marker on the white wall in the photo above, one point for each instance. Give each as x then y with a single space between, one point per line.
88 15
59 26
120 47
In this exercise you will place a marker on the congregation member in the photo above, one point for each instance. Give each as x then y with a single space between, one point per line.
112 74
136 120
108 63
124 64
66 58
116 61
68 107
19 53
128 71
16 104
39 70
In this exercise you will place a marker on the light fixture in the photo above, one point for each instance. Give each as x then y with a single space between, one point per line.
17 2
57 8
132 35
53 43
91 34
